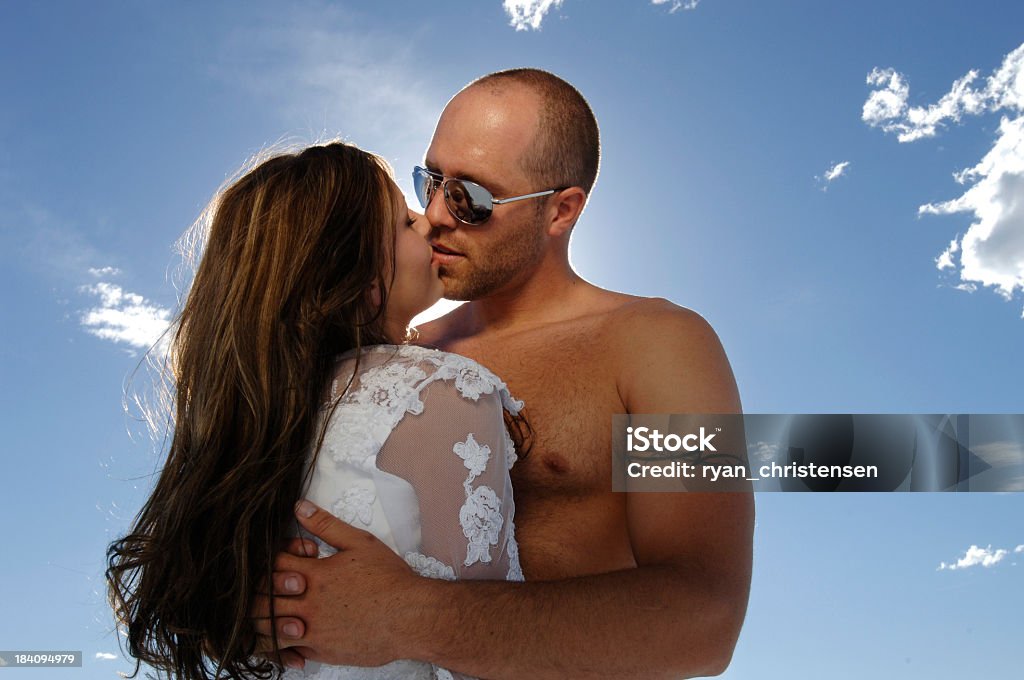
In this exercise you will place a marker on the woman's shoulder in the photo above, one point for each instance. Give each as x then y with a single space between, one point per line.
419 366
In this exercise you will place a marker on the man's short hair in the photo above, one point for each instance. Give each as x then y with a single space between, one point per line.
567 150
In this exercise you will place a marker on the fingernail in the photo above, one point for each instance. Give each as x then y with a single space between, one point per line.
291 584
291 629
305 509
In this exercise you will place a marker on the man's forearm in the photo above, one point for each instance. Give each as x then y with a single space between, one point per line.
653 621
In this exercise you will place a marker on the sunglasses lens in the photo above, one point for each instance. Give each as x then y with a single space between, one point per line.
423 185
468 201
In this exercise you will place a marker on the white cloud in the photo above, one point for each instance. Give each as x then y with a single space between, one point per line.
1019 549
975 556
887 103
945 260
106 656
764 451
104 271
528 14
833 173
836 170
124 317
991 251
677 4
887 107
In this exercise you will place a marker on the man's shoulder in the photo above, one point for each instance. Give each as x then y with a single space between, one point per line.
672 361
654 320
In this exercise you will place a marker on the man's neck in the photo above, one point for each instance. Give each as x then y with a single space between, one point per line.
546 296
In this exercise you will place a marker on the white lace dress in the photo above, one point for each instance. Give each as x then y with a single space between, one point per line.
417 453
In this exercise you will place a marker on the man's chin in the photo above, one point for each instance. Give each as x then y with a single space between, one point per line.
455 290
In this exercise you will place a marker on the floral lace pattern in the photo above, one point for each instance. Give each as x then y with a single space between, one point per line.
431 567
481 522
515 572
364 410
356 503
385 393
474 457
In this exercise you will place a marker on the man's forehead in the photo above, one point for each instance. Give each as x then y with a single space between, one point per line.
481 136
464 162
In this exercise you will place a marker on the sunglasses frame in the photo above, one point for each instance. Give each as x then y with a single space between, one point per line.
437 178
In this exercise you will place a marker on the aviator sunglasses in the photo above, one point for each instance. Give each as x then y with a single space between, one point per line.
468 202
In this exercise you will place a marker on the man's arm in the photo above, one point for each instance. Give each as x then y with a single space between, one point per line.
677 614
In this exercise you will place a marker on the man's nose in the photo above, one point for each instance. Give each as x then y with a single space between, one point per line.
437 212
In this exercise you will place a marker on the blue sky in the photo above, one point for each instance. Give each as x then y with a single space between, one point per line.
753 170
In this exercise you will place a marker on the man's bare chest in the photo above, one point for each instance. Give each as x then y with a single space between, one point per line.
569 389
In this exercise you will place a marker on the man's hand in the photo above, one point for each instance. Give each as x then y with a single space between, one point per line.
344 609
284 583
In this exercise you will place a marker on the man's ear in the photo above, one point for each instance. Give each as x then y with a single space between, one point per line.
568 204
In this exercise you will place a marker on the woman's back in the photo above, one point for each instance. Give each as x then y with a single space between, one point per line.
417 453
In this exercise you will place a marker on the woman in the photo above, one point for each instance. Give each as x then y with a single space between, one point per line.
291 382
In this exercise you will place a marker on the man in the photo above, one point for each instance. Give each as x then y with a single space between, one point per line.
617 585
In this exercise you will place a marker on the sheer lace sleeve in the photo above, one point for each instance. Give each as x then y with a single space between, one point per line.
416 452
456 455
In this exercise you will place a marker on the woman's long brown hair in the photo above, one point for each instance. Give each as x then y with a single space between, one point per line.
292 250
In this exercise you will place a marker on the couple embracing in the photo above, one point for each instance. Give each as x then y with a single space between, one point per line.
347 498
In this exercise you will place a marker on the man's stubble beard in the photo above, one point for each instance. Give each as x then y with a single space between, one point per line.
505 260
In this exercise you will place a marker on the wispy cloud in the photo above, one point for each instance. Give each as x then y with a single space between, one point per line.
100 272
677 5
991 252
975 557
123 317
528 14
318 65
1000 454
833 173
48 243
106 656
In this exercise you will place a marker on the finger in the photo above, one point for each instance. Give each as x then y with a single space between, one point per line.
326 526
259 607
292 659
301 547
289 630
289 583
285 583
265 645
285 561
